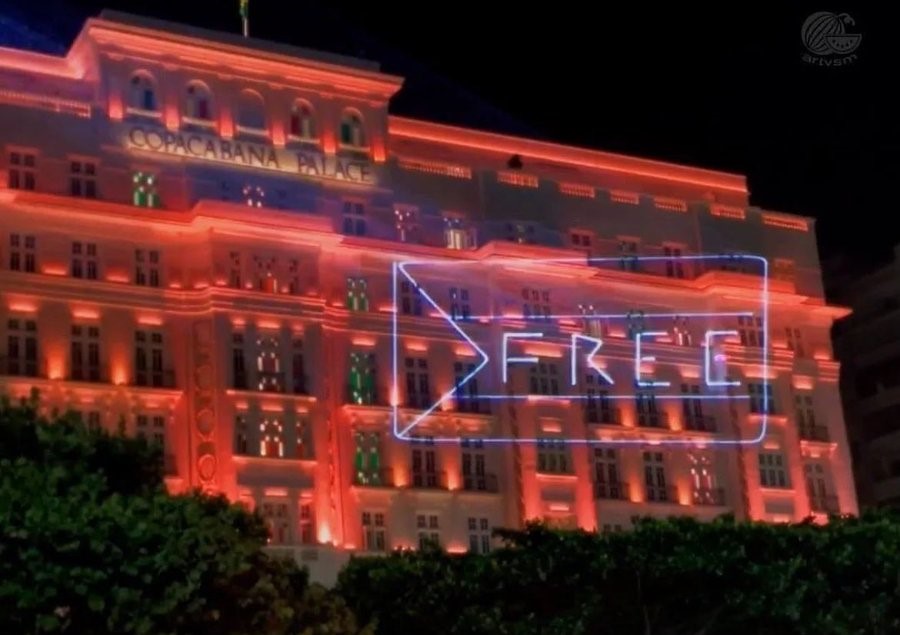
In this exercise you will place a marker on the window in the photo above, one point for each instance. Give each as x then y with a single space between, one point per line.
352 133
354 218
750 331
806 419
607 483
635 323
266 268
410 298
591 323
406 220
474 475
22 253
148 359
521 233
459 304
85 353
238 362
655 477
795 341
302 124
143 190
761 401
153 429
198 103
456 235
251 115
467 393
772 470
241 436
692 410
83 178
270 377
704 488
293 276
298 369
277 519
146 267
479 535
357 294
271 438
428 530
253 195
536 304
553 457
306 524
542 379
418 391
361 378
628 255
84 260
22 170
674 264
374 532
302 443
648 414
597 405
21 348
142 94
424 463
820 500
367 459
581 240
235 270
681 333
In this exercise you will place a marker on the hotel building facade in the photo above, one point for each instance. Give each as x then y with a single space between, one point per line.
200 237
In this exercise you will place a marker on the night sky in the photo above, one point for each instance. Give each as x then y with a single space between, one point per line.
719 87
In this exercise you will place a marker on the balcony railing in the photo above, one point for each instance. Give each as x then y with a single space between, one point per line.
89 373
661 494
20 367
700 423
814 432
480 483
713 496
155 378
824 504
612 491
653 419
602 416
429 480
374 478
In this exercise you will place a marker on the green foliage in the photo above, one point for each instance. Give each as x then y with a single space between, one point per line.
667 577
90 542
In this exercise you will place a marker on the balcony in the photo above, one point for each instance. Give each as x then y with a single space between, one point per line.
612 491
814 432
602 416
155 378
374 478
661 494
700 423
480 483
89 373
270 381
20 367
709 496
429 480
824 504
653 420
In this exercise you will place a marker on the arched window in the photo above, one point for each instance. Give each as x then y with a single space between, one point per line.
352 133
142 94
251 111
302 125
198 102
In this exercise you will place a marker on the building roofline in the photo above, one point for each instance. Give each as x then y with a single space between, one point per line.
571 155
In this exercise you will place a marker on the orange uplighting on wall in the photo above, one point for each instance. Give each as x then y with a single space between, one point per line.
226 124
785 222
119 375
173 120
464 351
55 367
275 492
726 211
803 382
85 314
417 347
270 325
117 277
54 270
272 407
23 307
559 507
329 143
277 131
150 320
576 189
116 110
621 196
456 548
363 340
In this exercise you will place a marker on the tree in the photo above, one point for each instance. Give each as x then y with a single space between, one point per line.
90 542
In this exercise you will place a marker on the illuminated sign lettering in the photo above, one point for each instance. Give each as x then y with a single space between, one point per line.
205 147
564 355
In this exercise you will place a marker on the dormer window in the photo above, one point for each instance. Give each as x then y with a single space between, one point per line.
301 124
251 113
142 96
352 133
198 103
